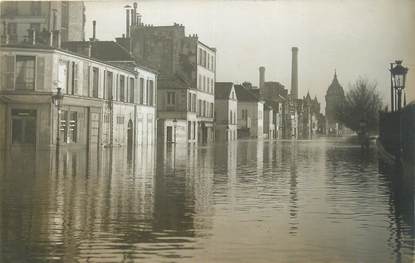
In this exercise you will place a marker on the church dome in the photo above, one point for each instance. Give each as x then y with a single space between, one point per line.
335 88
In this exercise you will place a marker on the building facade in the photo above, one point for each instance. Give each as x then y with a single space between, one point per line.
17 17
101 104
226 112
250 114
187 75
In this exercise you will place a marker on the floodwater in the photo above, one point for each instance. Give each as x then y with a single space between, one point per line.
250 201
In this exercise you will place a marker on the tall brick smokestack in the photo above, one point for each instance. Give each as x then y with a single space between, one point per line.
134 22
94 29
127 22
261 80
294 73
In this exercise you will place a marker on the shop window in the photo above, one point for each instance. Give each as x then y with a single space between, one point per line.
23 126
63 126
73 127
25 72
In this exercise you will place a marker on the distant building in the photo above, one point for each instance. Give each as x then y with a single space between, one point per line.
187 76
18 17
334 97
226 112
250 113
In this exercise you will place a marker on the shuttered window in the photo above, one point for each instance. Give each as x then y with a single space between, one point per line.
25 72
40 73
85 77
7 72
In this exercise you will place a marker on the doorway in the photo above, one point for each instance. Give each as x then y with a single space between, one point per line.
169 136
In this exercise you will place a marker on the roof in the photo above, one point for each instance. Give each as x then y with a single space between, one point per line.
109 51
103 50
243 94
173 82
70 52
223 90
335 87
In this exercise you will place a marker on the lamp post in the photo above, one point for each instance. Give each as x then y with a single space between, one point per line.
398 78
57 101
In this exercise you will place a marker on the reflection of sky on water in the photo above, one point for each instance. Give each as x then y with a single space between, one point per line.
243 201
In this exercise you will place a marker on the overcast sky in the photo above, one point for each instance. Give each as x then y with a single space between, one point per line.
356 37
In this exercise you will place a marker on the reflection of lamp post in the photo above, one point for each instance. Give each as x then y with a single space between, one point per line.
57 101
227 133
398 78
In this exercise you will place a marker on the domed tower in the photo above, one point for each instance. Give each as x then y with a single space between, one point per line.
334 97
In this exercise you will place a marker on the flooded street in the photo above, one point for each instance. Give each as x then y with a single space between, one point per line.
248 201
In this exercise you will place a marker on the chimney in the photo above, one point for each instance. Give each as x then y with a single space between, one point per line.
32 36
94 25
85 49
261 80
135 13
56 39
294 73
127 23
49 38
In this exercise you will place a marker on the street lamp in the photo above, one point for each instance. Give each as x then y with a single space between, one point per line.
398 78
57 101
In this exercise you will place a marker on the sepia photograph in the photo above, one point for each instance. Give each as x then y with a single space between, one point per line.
217 131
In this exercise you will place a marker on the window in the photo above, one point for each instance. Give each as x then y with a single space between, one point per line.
208 84
131 90
109 83
200 56
171 98
25 72
122 88
199 103
204 83
151 93
120 119
189 130
95 79
189 102
63 126
230 117
23 126
199 86
35 8
211 110
194 102
208 61
194 130
63 76
147 92
12 30
73 127
74 78
141 91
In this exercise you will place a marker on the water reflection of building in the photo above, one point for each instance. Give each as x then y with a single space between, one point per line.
60 206
183 188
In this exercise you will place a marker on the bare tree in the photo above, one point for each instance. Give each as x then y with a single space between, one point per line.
362 103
